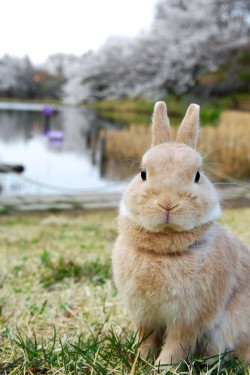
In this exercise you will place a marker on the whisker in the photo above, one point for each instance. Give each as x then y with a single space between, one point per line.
230 180
231 183
203 228
132 165
225 202
216 149
205 164
135 161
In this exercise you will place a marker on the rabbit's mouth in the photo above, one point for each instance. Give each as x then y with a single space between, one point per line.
169 214
173 220
168 220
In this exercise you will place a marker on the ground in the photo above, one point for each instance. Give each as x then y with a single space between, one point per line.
59 312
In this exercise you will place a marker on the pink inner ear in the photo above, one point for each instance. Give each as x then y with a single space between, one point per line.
161 126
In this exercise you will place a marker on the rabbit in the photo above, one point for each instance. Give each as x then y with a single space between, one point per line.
183 278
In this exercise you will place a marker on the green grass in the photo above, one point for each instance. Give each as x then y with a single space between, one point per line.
38 100
127 111
94 271
59 312
139 111
99 354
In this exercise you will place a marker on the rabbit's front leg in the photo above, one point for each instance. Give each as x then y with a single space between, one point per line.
148 340
180 342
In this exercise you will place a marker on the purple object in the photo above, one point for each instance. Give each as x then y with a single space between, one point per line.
55 138
55 135
48 111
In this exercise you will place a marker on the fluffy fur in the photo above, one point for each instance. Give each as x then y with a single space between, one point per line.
184 279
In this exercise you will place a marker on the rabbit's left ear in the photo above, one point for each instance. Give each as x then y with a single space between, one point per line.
160 124
189 128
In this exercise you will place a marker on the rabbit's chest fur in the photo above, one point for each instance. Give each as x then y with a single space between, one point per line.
161 289
203 286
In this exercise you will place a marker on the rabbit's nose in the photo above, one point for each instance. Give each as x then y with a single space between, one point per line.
168 206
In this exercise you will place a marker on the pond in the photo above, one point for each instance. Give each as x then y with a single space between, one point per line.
58 147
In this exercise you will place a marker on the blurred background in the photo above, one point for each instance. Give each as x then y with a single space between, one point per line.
78 81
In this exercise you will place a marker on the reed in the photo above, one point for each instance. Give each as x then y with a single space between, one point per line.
225 148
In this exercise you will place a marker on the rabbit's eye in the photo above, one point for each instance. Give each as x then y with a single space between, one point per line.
197 177
144 174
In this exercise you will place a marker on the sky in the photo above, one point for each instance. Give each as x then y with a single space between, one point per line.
39 28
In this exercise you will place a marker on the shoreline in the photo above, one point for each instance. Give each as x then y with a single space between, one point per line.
230 197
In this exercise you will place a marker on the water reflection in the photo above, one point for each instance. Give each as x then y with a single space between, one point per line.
59 152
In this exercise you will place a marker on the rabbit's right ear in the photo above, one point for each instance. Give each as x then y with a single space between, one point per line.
160 124
189 128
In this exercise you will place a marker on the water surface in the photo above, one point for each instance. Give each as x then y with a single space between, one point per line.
54 150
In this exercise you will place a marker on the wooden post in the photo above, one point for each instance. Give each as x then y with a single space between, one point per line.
102 156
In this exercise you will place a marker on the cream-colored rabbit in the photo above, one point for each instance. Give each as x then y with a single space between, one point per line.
184 279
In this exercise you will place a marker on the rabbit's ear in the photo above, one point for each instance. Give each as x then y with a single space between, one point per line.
189 128
160 124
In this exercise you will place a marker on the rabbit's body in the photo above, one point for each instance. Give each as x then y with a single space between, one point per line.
202 289
183 278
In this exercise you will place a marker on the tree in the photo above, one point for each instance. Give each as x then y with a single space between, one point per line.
15 76
186 39
101 74
20 79
198 35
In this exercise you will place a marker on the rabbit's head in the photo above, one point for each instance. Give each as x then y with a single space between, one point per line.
171 192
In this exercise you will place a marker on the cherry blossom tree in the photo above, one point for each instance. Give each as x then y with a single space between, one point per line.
185 39
14 75
21 79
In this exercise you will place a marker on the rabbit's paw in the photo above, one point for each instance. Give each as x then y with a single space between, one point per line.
145 350
163 362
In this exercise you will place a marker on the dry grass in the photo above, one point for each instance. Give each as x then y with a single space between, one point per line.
225 147
55 275
231 144
41 283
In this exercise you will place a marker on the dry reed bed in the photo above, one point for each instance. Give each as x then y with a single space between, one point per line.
225 148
